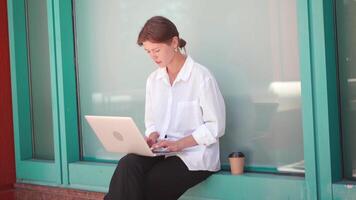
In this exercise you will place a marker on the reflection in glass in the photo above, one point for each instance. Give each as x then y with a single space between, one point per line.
250 46
40 82
346 31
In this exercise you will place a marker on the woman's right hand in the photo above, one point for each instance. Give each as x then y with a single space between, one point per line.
152 138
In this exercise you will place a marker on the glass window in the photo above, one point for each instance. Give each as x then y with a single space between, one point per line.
250 46
346 31
39 76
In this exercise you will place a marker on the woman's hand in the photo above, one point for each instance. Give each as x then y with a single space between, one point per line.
178 145
170 145
152 138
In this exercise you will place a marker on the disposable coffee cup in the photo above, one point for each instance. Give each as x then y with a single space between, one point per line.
237 162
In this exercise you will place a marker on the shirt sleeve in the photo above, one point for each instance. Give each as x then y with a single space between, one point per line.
149 120
213 109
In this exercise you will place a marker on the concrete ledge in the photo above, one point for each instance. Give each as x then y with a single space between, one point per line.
220 186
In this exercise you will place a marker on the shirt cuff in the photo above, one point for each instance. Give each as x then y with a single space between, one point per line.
203 136
149 130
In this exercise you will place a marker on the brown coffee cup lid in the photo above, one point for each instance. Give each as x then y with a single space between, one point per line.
237 154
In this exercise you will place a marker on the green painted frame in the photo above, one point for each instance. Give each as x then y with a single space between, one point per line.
307 100
322 152
342 188
28 168
325 104
63 31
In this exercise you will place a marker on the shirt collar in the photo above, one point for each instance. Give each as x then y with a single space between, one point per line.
184 72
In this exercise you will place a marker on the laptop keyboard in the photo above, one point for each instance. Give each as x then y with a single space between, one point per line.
160 150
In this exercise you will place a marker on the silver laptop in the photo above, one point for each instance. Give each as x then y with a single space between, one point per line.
121 135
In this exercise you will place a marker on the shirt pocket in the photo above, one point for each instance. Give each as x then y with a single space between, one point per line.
189 116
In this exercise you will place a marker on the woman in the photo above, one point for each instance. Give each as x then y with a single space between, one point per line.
184 113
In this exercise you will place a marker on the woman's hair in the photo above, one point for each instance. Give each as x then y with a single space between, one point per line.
159 29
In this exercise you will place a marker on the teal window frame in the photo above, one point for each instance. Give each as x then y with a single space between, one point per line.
320 115
28 168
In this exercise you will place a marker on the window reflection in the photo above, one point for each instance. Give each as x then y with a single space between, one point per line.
250 46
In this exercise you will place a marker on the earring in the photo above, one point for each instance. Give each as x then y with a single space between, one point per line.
176 49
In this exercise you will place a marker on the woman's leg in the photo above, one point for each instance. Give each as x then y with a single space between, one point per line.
170 178
128 179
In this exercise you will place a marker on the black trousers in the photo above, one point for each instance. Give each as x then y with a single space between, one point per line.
146 178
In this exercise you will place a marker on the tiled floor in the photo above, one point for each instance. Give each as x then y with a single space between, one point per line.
37 192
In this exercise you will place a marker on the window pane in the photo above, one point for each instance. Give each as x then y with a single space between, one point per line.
40 83
346 31
250 46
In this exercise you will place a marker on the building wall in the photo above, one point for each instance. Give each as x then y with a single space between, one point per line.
7 161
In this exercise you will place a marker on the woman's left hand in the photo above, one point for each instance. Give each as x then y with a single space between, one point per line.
170 145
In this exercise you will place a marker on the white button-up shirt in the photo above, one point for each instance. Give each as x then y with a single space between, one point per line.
192 105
